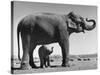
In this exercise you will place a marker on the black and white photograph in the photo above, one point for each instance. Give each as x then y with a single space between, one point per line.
53 37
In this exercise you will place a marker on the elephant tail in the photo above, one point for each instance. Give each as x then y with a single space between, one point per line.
18 33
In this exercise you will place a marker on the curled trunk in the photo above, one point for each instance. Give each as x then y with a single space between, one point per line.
90 27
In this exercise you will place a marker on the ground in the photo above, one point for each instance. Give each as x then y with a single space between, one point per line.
79 62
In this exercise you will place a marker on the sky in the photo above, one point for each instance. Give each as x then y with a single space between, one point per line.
80 43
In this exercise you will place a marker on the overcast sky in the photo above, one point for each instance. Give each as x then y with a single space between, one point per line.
80 43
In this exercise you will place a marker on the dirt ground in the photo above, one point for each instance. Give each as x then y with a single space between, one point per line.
76 63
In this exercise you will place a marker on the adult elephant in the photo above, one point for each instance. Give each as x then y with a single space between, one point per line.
46 28
44 54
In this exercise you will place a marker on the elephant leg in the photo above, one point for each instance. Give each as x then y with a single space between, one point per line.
31 61
65 52
48 61
41 62
25 57
45 62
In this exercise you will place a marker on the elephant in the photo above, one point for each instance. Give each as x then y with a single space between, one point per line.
46 28
44 53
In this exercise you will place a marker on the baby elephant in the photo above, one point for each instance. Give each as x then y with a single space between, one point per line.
44 56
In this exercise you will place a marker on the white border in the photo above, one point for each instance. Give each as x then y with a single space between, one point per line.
5 35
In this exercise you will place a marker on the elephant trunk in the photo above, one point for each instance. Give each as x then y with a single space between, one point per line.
88 27
52 49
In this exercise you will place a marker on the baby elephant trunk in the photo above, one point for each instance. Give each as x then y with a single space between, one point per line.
52 49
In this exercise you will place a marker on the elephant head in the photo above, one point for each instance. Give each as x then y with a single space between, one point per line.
50 51
78 24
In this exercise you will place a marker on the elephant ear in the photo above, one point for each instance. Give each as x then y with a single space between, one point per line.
72 19
71 24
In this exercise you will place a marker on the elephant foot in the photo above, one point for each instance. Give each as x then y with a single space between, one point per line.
65 65
33 65
41 66
65 62
25 66
48 66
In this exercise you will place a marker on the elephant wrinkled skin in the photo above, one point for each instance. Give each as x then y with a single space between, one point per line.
46 28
